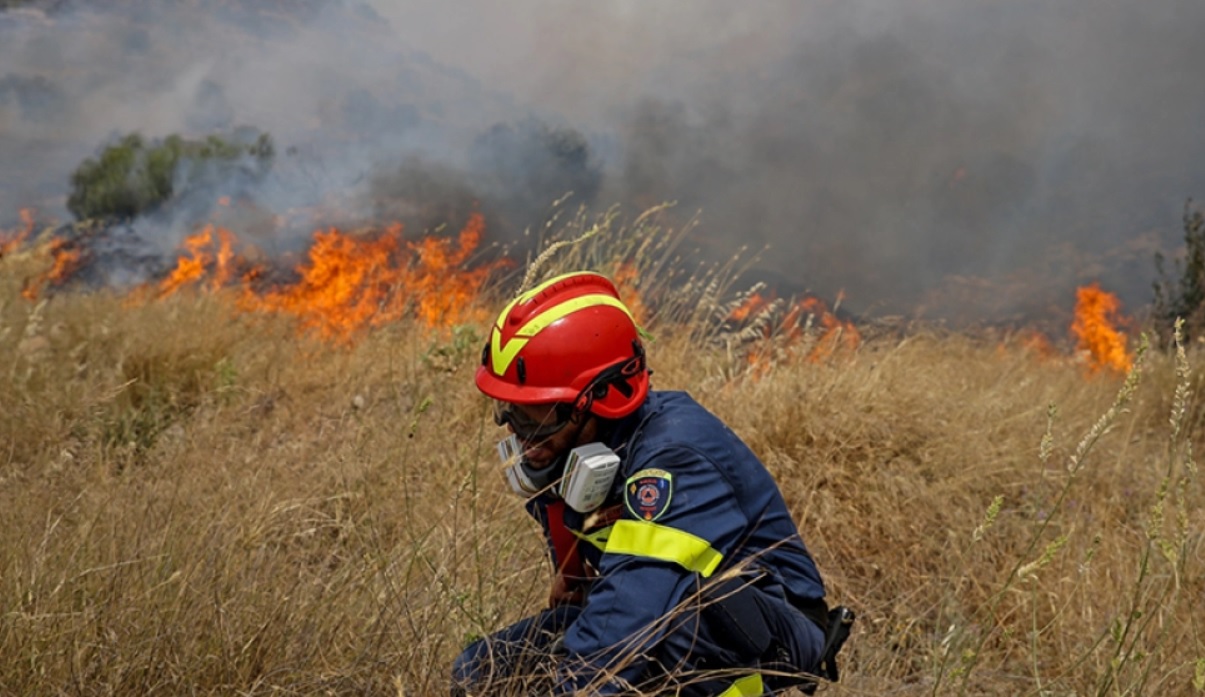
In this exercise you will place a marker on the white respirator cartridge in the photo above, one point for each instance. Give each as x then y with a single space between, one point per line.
589 472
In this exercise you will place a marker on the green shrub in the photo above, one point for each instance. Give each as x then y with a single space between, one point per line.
1183 297
133 177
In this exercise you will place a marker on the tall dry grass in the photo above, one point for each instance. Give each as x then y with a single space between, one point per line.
197 501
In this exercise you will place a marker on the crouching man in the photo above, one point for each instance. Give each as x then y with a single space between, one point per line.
678 566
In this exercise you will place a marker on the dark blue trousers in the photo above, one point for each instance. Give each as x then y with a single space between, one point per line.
515 660
730 630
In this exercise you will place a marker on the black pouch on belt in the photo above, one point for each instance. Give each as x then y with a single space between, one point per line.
840 622
732 611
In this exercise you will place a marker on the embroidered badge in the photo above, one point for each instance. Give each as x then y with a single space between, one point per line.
648 492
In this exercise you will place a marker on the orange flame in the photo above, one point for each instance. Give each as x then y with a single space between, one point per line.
348 283
750 307
202 261
1037 344
1095 331
807 323
66 258
9 241
626 277
342 287
444 289
835 333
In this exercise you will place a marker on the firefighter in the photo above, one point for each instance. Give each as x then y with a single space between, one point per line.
690 575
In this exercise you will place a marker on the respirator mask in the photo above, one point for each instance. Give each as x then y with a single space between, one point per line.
582 478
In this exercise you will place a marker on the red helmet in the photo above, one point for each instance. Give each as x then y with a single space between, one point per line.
569 340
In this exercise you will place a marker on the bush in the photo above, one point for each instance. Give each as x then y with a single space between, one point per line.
537 159
133 177
524 167
1185 296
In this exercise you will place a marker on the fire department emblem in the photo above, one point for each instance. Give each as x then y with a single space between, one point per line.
648 492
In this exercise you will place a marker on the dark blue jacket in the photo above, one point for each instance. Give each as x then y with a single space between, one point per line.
692 500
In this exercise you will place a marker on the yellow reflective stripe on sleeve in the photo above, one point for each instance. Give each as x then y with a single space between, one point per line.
502 356
748 686
598 538
640 538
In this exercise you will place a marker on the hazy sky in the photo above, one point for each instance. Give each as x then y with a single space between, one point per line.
950 158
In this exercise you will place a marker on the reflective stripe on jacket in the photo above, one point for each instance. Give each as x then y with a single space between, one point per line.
724 510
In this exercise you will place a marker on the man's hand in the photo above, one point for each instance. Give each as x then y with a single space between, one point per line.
566 590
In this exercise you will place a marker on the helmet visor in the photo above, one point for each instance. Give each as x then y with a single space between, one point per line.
533 422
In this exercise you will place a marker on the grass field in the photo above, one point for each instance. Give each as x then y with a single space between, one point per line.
196 498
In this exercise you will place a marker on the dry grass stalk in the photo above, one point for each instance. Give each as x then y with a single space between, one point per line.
197 500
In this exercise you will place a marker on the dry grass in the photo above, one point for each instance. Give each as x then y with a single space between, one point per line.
196 501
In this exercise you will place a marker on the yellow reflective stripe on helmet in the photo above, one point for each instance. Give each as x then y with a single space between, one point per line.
748 686
503 356
640 538
524 297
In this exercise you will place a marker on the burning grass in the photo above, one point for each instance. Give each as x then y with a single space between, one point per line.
197 498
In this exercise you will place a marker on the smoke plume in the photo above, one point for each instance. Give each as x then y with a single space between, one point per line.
960 160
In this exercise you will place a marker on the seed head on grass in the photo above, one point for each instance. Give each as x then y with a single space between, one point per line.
989 518
1027 571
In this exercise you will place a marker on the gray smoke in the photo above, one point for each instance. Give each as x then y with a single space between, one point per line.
342 99
968 160
957 159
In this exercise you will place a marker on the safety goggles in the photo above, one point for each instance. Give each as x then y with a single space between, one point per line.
527 428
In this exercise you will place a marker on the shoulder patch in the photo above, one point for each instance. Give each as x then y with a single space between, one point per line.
647 493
